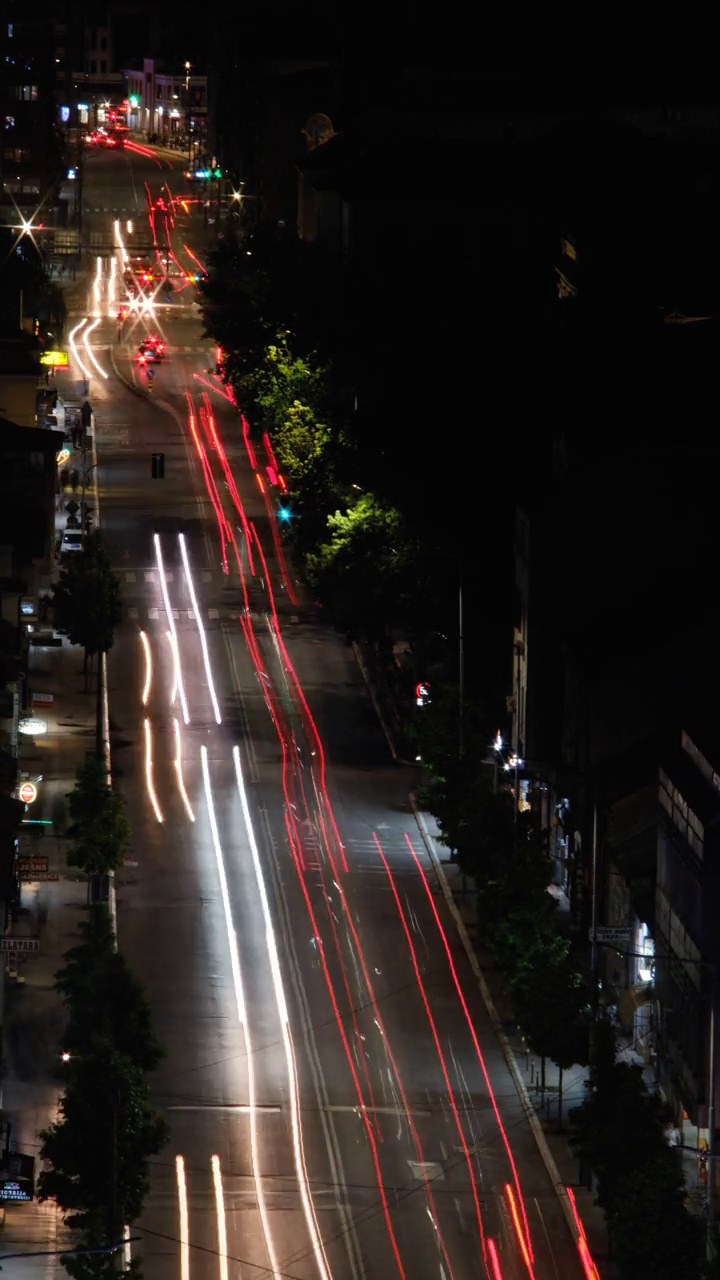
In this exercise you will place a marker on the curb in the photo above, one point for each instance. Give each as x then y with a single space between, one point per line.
537 1131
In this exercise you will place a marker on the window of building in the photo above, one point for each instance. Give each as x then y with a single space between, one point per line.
26 92
159 91
93 66
681 815
9 122
10 30
103 43
103 65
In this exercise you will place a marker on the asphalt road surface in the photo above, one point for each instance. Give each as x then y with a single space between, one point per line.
338 1103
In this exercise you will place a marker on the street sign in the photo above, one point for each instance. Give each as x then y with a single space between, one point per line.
612 936
32 863
43 699
17 1176
28 792
72 507
20 944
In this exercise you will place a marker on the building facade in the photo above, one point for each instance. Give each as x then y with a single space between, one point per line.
686 934
30 150
167 104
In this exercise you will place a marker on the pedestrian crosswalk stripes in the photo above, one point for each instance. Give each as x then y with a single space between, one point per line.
155 614
151 575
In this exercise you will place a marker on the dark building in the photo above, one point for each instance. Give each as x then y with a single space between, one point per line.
30 155
686 907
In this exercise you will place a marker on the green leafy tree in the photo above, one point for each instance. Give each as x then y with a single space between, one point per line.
97 944
98 1151
104 998
365 571
517 914
97 1263
269 283
86 598
618 1126
99 821
552 1004
654 1237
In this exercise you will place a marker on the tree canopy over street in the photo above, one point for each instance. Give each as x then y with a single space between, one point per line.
96 1153
86 598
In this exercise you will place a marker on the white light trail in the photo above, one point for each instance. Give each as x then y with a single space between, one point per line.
220 1215
119 239
173 694
242 1016
91 353
201 628
179 772
112 282
97 285
148 668
184 1230
149 771
171 624
279 991
73 347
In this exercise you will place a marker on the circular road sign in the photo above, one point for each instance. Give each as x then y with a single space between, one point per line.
28 792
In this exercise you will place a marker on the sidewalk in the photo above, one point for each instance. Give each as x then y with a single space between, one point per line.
51 907
50 910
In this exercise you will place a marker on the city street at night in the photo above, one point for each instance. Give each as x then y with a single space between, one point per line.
338 1102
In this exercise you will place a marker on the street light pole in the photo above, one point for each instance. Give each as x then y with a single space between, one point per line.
86 473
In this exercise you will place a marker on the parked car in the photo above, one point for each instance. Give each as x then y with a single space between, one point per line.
71 541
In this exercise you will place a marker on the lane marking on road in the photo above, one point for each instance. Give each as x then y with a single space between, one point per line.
184 1228
380 1111
220 1217
243 1107
428 1170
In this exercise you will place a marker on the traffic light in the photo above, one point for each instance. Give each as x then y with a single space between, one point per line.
87 525
158 466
